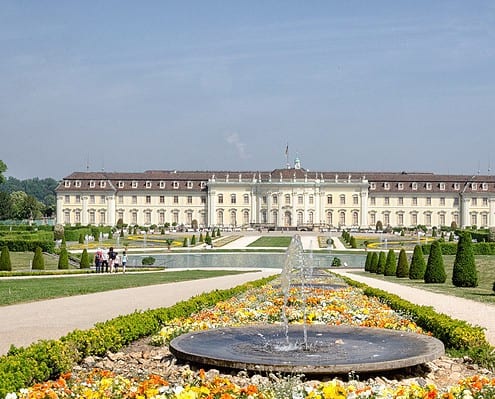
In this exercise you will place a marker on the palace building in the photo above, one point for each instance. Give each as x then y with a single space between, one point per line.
288 198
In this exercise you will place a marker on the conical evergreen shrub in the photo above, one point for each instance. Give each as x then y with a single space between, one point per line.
367 263
374 263
353 242
402 265
84 264
390 263
63 259
5 263
81 238
418 264
38 260
382 260
201 239
464 273
435 270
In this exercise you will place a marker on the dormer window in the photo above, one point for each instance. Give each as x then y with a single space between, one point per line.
77 183
442 186
428 186
134 184
148 184
203 184
66 183
175 184
162 184
189 184
103 183
400 186
484 186
91 183
414 186
120 184
474 186
386 186
457 186
373 186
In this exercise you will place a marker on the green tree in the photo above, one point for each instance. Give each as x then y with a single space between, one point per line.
193 239
208 238
353 242
81 238
464 273
367 263
418 264
85 263
390 263
38 260
201 239
5 263
218 232
3 169
63 259
451 236
374 263
402 265
435 269
382 260
5 206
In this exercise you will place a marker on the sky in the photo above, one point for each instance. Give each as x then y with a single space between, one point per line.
130 86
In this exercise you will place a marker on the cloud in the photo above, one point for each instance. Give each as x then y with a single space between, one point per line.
234 140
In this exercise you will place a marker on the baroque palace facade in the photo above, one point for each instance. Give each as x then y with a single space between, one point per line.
287 198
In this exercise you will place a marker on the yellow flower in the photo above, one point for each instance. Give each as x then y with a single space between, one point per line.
333 390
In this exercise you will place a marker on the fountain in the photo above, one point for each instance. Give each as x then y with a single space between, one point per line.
310 349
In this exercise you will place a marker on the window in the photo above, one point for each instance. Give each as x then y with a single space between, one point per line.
441 219
442 186
287 199
263 216
400 201
245 217
474 187
189 199
329 200
414 186
120 199
386 186
442 201
373 186
161 217
103 183
342 218
456 201
329 218
311 199
233 198
428 200
134 217
300 199
102 217
263 200
202 184
176 199
485 201
92 217
415 200
66 183
246 198
220 198
474 202
414 219
220 218
386 219
428 219
91 184
162 184
120 184
484 186
189 184
275 199
134 184
148 199
299 218
77 216
484 219
386 201
78 199
355 199
91 199
175 217
310 217
355 218
400 186
102 199
162 199
372 200
175 185
203 199
67 199
342 199
148 184
457 186
428 186
67 217
78 183
147 217
474 219
134 199
189 218
120 215
372 218
400 219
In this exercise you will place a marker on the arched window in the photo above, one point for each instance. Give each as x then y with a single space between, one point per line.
220 218
233 219
355 218
245 217
342 218
329 218
300 219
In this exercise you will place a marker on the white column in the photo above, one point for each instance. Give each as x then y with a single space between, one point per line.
211 208
111 210
60 213
84 215
254 200
464 212
491 215
364 208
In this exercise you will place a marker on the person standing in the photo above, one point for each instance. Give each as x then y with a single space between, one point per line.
124 261
98 261
116 262
104 262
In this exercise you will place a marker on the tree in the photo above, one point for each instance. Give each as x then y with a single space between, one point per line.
451 236
367 263
5 264
402 265
84 264
382 260
193 239
63 259
390 263
185 243
353 242
38 260
418 264
81 238
3 169
435 270
464 273
5 206
201 239
374 263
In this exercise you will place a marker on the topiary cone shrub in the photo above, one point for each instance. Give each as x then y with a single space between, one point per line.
374 263
84 260
382 260
38 260
63 259
435 270
464 273
418 264
390 263
5 263
367 263
402 265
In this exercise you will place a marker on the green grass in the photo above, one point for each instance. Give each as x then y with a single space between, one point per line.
276 241
485 264
14 291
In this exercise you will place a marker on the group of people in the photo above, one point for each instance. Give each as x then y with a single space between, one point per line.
109 262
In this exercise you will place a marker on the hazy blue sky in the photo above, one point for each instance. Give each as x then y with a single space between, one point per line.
226 85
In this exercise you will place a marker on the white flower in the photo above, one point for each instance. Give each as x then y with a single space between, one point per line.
11 395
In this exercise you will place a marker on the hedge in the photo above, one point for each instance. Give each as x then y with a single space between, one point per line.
18 245
450 248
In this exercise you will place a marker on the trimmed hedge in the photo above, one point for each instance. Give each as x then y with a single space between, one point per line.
450 248
47 359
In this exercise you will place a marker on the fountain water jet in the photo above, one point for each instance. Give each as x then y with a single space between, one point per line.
308 349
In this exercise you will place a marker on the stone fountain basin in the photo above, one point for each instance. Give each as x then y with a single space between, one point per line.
330 349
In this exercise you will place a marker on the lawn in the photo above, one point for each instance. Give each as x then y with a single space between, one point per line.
275 241
485 264
14 290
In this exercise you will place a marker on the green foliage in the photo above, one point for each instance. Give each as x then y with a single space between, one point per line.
148 261
435 270
38 260
185 243
418 264
193 239
382 261
208 238
353 242
201 238
402 265
336 262
464 273
213 233
63 259
58 231
81 238
374 263
85 262
218 232
5 263
451 237
367 263
390 263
